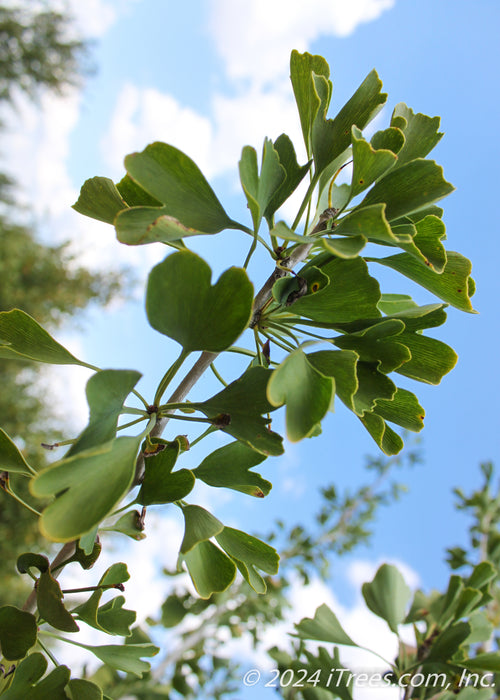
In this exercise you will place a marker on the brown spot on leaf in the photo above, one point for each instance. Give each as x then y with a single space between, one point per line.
222 420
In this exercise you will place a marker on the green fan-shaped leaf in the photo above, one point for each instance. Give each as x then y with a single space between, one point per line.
87 487
302 68
106 392
171 177
351 294
230 466
387 595
199 525
238 410
125 657
113 618
409 188
11 459
454 285
368 163
331 137
372 385
426 243
430 358
420 132
482 574
369 222
21 338
386 438
341 365
142 225
182 304
100 199
305 391
110 617
403 409
260 188
391 139
30 560
18 632
50 606
345 248
294 175
248 549
160 484
394 303
372 344
210 569
81 689
324 627
134 194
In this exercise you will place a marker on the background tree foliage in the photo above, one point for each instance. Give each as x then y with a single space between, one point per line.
37 53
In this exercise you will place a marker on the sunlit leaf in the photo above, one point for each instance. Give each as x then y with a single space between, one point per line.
302 67
420 132
171 177
454 285
369 164
409 188
100 199
11 459
21 338
331 137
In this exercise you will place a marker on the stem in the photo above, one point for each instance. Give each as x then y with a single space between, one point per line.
168 376
132 422
251 251
241 351
20 500
305 201
49 654
140 397
214 370
210 429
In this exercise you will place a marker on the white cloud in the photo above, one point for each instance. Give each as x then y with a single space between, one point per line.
145 115
255 38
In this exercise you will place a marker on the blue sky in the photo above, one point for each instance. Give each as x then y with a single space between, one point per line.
210 76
